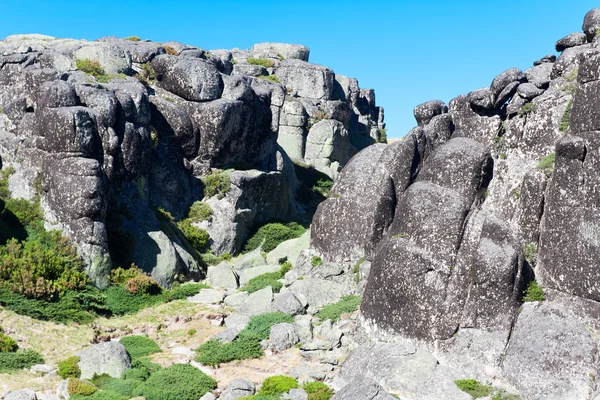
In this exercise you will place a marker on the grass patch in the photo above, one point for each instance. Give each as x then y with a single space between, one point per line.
346 305
268 279
534 292
318 391
272 78
530 253
546 164
528 109
277 385
217 184
316 261
19 360
265 62
272 234
133 38
93 68
403 235
474 388
356 269
564 121
139 346
200 211
171 51
178 382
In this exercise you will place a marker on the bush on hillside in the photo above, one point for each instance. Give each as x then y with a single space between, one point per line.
77 386
197 237
178 382
244 347
139 346
272 234
278 385
99 395
7 344
261 324
91 67
265 62
318 391
268 279
19 360
69 368
122 387
200 211
217 184
347 304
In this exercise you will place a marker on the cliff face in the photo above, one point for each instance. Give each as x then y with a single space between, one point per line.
108 132
486 194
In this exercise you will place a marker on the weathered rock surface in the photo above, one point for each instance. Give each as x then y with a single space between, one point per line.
105 358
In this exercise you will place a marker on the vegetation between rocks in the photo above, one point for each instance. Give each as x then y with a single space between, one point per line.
69 368
564 121
7 344
474 388
318 391
346 305
534 292
18 360
271 235
272 78
527 109
277 385
139 346
268 279
265 62
93 68
218 183
546 164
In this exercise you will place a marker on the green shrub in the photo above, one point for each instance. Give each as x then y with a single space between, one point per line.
272 234
99 380
244 347
262 281
534 292
530 253
197 237
139 346
120 302
122 387
200 211
140 370
180 292
564 121
7 344
19 360
133 38
315 261
323 186
547 163
318 391
69 368
347 304
99 395
4 175
77 386
261 324
142 284
89 67
178 382
382 135
272 78
265 62
27 211
277 385
528 109
217 184
120 276
474 388
148 72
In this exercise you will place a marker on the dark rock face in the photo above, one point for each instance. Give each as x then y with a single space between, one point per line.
426 111
591 23
571 40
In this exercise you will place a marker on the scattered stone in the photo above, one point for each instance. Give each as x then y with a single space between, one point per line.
25 394
290 249
236 299
104 358
237 321
222 276
208 296
362 389
249 260
288 303
186 351
238 388
227 336
252 272
258 303
283 336
571 40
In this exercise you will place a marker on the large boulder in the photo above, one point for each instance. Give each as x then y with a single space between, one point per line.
571 40
25 394
109 358
281 50
363 389
327 147
191 78
591 23
426 111
309 80
112 59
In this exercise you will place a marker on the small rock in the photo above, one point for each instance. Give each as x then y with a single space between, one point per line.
236 299
238 388
253 272
104 358
189 353
249 260
361 389
208 296
426 111
258 302
304 328
237 321
25 394
222 276
529 91
296 394
43 368
283 336
227 336
288 303
316 345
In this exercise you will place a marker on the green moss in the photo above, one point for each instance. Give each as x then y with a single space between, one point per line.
19 360
564 121
272 78
200 211
91 67
534 292
528 109
217 184
546 164
277 385
139 346
316 261
403 235
69 368
474 388
272 234
318 391
178 382
346 305
265 62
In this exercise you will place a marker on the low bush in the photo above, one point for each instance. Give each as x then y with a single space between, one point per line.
318 391
141 369
7 344
120 302
218 183
382 135
19 360
534 292
268 279
323 186
197 237
474 388
347 304
528 109
261 324
133 38
77 386
122 387
142 284
147 71
91 67
171 50
316 261
277 385
265 62
178 382
546 164
99 395
69 368
200 211
272 78
180 292
244 347
139 346
272 234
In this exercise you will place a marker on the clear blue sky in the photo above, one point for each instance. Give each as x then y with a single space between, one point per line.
409 51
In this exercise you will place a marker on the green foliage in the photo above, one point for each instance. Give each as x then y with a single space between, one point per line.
547 163
69 368
147 71
100 395
268 279
191 332
347 304
382 135
570 86
323 186
140 370
133 38
245 346
91 67
261 324
356 269
19 360
197 237
120 301
534 292
319 116
272 234
530 252
277 385
503 395
7 344
528 109
200 211
180 292
4 175
265 62
178 382
318 391
516 194
139 346
77 386
474 388
28 212
217 184
121 387
316 261
564 121
402 235
272 78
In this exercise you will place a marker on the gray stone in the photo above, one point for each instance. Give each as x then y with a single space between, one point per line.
238 388
281 50
250 70
104 358
363 389
571 40
539 75
227 336
43 368
506 94
236 299
208 396
309 80
191 78
283 336
289 250
249 273
551 354
25 394
304 328
297 394
549 58
327 147
208 296
185 351
482 98
258 303
318 292
569 60
316 345
426 111
237 321
504 79
222 276
112 59
249 260
529 91
288 303
591 23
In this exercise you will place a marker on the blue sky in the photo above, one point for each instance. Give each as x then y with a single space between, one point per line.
409 51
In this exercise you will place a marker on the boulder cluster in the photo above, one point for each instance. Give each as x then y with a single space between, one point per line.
458 219
107 132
